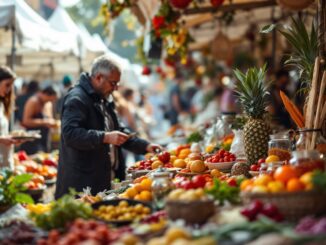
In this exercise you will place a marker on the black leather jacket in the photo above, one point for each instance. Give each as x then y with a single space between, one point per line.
84 159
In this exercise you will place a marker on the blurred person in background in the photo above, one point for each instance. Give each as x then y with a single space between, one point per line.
67 85
7 78
276 108
212 110
32 88
38 115
229 99
178 104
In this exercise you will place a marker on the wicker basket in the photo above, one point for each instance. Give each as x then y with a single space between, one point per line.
293 205
192 212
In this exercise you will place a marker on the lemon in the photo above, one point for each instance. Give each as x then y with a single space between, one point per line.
272 158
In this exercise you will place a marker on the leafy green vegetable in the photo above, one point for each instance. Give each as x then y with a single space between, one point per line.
222 192
12 188
194 137
63 211
319 180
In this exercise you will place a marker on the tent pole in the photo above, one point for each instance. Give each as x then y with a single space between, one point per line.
13 47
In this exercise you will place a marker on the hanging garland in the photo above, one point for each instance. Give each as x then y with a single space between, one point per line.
165 24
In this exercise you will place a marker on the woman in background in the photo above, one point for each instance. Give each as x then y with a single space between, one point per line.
7 78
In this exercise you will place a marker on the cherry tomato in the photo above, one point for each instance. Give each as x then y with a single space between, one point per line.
254 167
232 182
226 159
262 160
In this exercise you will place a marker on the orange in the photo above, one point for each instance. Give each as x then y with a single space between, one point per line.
244 184
140 179
295 184
285 173
272 158
145 196
179 163
173 158
263 180
185 152
216 173
137 197
157 164
197 166
146 184
131 192
138 187
275 186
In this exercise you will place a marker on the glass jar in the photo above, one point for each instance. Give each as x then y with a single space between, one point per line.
305 138
280 145
223 125
161 187
306 161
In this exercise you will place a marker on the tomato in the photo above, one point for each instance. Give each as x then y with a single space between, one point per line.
187 185
261 160
22 156
232 182
164 156
254 167
221 152
226 159
49 162
199 181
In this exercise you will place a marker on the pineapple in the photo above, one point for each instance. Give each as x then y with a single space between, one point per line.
252 94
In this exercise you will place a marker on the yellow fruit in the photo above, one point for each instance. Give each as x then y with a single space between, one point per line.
148 156
244 184
216 173
185 152
179 163
209 148
175 194
173 158
137 197
145 196
259 189
138 187
146 184
131 192
272 158
157 164
276 186
175 233
263 180
306 179
197 166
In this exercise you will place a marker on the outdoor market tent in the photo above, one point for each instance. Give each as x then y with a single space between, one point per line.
37 46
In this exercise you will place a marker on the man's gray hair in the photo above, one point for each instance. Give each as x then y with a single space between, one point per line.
104 65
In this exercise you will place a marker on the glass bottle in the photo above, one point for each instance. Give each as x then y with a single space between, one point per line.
306 135
280 145
161 187
307 160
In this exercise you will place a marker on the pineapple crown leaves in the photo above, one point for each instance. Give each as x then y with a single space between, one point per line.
252 91
304 46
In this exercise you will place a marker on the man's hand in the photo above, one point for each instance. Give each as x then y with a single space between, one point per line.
153 148
115 138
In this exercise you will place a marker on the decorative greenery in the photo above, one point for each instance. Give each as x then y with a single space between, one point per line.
304 45
63 211
12 188
194 137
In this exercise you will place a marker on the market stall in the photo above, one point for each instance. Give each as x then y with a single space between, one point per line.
233 181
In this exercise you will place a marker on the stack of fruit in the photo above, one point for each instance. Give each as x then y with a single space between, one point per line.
221 156
141 190
187 195
198 181
122 212
260 166
285 179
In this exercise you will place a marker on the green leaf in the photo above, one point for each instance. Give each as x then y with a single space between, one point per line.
23 198
21 179
269 28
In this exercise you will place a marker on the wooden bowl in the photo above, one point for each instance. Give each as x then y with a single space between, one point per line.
192 212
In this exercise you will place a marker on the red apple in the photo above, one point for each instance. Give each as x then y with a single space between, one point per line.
164 156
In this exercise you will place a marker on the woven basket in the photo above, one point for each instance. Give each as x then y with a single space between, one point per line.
192 212
293 205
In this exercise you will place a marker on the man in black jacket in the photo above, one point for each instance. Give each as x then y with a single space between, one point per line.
92 137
